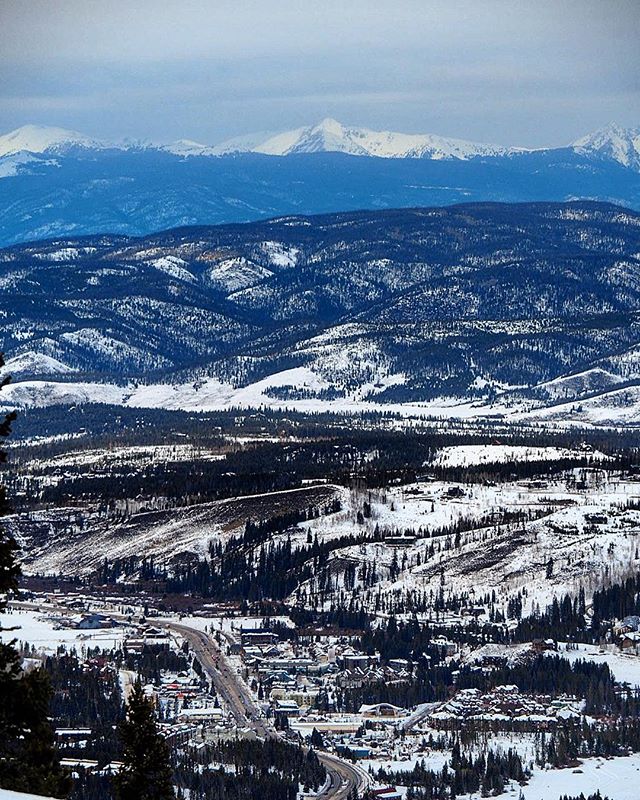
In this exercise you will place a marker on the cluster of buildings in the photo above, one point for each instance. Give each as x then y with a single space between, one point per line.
288 677
504 704
627 634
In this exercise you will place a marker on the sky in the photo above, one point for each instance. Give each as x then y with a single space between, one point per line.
535 73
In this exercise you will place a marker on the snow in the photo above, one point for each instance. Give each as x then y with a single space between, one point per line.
624 666
613 142
174 266
14 163
329 135
39 629
616 407
506 559
187 147
6 794
616 778
236 273
43 139
33 363
281 255
466 455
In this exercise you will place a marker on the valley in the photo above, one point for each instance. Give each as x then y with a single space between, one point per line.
383 593
354 500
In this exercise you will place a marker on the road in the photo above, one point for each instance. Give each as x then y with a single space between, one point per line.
343 777
224 678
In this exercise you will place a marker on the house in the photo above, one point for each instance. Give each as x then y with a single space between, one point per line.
288 707
399 664
257 637
72 735
630 641
543 645
400 541
210 714
74 764
388 793
448 647
381 710
353 751
95 621
352 660
630 623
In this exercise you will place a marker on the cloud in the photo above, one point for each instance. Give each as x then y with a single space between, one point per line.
498 69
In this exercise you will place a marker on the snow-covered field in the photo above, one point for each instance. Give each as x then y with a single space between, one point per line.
471 454
6 794
624 666
616 778
43 630
618 407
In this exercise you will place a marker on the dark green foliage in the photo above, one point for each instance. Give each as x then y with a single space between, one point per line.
270 770
575 740
616 602
86 695
28 760
563 619
488 772
146 773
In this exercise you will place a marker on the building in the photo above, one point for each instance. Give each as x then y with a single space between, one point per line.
381 710
257 637
388 793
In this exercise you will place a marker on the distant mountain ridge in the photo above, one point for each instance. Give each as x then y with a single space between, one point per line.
328 136
533 304
331 136
55 182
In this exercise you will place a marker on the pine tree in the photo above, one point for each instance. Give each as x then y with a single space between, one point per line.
146 773
28 759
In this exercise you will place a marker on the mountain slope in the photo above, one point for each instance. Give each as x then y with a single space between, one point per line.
139 191
44 139
331 136
612 143
466 303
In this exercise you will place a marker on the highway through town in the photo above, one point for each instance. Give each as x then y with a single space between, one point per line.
343 778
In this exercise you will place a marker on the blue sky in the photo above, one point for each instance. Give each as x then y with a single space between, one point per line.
504 71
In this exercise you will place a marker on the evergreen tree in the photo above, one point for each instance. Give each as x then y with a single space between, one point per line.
146 773
28 759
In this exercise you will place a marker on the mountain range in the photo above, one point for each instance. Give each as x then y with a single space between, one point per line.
328 136
475 309
55 182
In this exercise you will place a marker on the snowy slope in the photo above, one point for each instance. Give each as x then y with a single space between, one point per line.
14 164
32 363
614 143
331 136
187 147
44 139
6 794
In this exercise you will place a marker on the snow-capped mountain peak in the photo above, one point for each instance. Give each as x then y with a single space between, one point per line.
44 139
187 147
612 142
329 135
